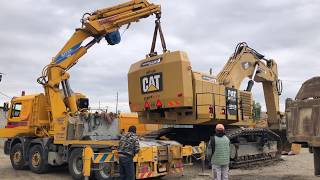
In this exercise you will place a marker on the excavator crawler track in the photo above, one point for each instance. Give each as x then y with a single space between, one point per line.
264 140
249 146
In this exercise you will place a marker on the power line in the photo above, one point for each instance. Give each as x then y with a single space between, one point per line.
3 94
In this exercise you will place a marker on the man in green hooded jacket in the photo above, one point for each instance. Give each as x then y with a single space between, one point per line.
218 152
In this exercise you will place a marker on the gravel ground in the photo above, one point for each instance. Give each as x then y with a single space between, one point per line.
299 167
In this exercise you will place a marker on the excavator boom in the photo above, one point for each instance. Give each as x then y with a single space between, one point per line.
248 63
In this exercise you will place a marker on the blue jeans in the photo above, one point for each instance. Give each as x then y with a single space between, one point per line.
126 168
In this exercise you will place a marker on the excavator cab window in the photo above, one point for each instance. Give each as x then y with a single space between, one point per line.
16 109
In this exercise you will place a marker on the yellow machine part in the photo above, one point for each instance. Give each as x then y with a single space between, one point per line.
295 148
171 69
128 119
12 132
151 161
164 89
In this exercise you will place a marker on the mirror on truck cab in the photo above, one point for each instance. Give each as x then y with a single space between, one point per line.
5 106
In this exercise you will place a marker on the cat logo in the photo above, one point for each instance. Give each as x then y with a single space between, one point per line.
151 83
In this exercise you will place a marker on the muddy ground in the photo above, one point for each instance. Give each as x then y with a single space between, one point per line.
299 167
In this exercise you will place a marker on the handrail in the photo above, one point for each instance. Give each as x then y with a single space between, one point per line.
240 105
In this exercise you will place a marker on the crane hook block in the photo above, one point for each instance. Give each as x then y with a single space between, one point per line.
113 38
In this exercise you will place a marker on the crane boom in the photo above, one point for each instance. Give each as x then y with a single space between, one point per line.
102 23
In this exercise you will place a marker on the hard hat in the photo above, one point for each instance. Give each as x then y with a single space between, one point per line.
219 127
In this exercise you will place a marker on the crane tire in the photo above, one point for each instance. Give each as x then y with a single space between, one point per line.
38 159
16 157
104 173
75 164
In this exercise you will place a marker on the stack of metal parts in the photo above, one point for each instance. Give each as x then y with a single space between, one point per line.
94 126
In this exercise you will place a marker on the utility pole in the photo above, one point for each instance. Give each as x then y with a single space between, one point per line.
117 104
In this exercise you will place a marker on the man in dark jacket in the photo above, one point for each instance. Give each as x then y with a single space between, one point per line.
128 148
219 154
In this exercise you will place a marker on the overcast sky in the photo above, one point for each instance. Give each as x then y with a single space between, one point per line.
33 31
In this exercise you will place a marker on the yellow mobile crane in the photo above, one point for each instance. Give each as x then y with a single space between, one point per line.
164 89
53 127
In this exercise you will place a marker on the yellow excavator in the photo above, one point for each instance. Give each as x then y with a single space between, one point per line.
164 89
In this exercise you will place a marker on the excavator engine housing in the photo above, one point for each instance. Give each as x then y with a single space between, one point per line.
164 89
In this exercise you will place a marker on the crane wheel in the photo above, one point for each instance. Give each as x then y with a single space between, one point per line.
16 157
38 160
104 172
75 164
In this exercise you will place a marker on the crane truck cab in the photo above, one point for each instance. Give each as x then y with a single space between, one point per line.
20 118
29 115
